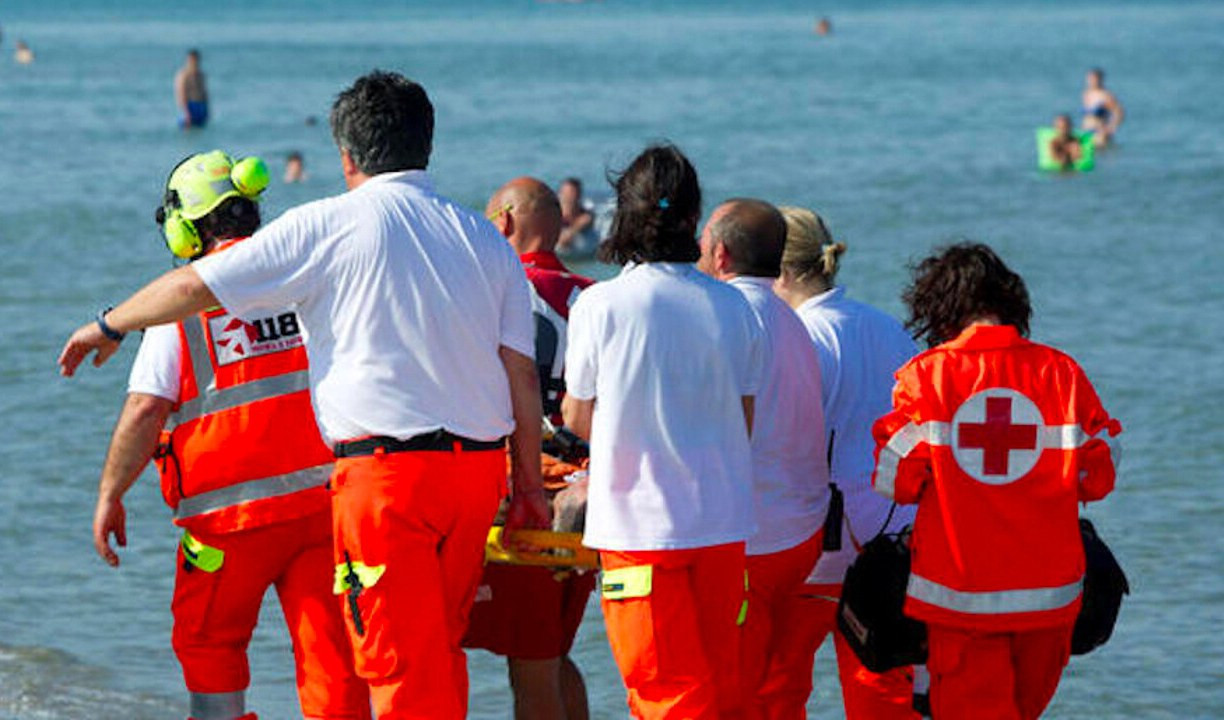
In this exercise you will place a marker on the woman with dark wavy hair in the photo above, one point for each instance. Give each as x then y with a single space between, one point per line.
661 367
658 205
996 439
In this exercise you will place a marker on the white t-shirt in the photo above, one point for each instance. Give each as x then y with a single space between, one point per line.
790 471
157 367
667 353
861 349
404 298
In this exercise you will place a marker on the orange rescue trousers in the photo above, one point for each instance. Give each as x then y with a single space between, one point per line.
677 643
996 675
215 614
414 525
809 617
773 579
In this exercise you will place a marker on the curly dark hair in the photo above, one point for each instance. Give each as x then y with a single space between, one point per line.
959 283
658 203
385 121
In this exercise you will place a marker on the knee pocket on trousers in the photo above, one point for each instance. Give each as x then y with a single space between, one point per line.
194 598
947 656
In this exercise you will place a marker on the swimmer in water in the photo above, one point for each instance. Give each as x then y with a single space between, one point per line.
1103 113
575 219
1065 146
824 26
191 92
22 53
295 168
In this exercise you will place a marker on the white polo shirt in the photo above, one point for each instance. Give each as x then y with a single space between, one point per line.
404 298
790 471
861 349
667 353
158 364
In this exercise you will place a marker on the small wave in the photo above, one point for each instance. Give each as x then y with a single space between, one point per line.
38 683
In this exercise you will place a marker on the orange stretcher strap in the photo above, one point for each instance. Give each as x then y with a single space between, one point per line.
547 549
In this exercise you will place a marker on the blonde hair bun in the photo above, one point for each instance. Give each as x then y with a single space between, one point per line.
810 248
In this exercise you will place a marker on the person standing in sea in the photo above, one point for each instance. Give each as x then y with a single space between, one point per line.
661 370
417 320
742 245
191 92
242 466
1103 113
530 615
860 348
997 440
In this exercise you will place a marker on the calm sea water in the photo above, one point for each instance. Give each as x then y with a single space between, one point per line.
911 125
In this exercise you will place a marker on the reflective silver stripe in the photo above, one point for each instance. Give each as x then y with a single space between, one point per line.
217 400
197 347
252 490
1072 436
209 399
901 444
201 369
218 706
998 602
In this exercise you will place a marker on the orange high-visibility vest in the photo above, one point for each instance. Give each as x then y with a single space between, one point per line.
996 438
244 449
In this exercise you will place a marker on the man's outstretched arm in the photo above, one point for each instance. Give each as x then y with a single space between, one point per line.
173 296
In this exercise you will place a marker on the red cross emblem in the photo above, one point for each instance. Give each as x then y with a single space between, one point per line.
996 436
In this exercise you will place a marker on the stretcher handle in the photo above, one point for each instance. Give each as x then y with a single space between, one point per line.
570 552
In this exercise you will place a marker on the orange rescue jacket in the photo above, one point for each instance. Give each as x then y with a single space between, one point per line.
996 438
244 449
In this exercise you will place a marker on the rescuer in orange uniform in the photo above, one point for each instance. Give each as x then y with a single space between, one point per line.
420 345
996 438
242 465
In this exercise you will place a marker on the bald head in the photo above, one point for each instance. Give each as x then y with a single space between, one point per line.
527 212
753 234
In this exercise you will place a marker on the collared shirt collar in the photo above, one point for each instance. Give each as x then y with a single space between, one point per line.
761 282
829 296
983 337
416 178
544 260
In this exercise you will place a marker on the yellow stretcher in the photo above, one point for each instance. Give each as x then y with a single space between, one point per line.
547 549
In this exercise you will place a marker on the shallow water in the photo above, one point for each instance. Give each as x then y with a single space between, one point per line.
911 125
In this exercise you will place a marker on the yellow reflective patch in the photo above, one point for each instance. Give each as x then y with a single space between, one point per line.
208 559
743 613
627 582
367 575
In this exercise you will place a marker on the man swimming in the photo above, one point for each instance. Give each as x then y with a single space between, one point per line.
191 93
1065 146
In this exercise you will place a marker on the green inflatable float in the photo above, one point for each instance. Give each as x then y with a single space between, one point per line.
1046 161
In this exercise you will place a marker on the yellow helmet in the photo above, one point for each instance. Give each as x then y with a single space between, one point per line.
196 186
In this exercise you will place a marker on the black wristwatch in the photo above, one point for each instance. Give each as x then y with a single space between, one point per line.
110 332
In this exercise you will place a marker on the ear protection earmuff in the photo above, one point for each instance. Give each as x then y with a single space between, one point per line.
208 179
180 234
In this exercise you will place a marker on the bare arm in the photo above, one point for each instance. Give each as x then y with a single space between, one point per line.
180 92
569 232
1116 112
577 415
749 403
132 444
173 296
528 506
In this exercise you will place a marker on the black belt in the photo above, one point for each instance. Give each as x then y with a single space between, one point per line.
437 441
